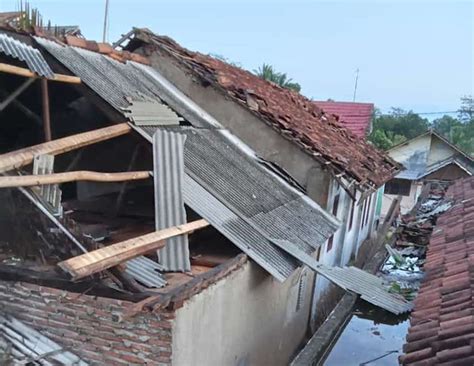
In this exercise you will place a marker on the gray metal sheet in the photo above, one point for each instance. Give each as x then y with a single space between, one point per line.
241 183
146 271
28 344
368 286
238 231
168 175
114 81
23 52
151 114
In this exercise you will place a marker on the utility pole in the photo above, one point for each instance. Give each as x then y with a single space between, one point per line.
106 21
355 86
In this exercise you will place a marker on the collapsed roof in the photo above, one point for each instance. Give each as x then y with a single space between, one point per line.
224 183
293 115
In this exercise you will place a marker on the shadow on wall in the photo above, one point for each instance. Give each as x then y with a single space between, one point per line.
327 303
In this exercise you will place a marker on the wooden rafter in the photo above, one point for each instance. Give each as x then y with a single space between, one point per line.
21 71
17 159
82 175
101 259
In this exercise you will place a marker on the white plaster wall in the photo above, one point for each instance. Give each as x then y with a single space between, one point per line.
248 318
439 151
404 152
407 202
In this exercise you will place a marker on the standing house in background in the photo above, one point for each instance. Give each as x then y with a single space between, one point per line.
356 117
338 170
427 157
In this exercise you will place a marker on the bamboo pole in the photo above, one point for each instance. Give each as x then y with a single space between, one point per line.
17 159
82 175
21 71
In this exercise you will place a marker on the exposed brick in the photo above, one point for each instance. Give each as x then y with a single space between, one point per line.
86 325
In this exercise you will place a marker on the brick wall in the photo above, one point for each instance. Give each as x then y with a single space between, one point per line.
92 328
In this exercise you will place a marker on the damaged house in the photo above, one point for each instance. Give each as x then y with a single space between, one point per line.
335 168
428 157
139 229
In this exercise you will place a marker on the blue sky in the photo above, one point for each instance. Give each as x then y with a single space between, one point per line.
415 55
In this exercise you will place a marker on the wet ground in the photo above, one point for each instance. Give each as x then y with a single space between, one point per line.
371 337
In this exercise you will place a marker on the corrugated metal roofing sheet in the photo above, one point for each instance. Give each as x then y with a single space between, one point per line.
28 346
168 175
146 271
368 286
224 182
23 52
151 114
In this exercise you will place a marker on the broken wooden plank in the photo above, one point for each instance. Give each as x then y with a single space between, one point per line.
81 175
112 255
17 159
21 71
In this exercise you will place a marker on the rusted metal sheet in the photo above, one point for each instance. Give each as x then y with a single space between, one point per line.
168 174
31 56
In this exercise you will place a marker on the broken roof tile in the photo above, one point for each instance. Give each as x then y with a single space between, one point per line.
293 115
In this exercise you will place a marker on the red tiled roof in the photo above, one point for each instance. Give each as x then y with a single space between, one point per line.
442 324
356 117
293 115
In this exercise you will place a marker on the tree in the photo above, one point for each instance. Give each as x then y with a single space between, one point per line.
267 72
466 111
397 126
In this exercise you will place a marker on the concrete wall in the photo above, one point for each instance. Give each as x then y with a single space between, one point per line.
248 318
407 202
439 151
263 139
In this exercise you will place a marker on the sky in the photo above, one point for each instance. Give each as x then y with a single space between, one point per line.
415 55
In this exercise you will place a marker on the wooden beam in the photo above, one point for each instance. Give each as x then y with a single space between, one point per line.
45 108
21 71
98 260
22 157
81 175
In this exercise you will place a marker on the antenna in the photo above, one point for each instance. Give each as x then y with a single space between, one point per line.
106 20
355 86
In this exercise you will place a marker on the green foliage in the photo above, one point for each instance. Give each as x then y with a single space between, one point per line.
267 72
398 126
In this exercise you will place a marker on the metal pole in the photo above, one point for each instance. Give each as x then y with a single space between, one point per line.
45 104
106 19
355 86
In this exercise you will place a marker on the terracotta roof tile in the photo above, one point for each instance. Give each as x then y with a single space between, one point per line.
442 323
356 117
103 48
290 113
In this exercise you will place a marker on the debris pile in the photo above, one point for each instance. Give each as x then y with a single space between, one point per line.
403 270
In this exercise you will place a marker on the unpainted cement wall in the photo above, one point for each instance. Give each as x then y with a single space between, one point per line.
248 318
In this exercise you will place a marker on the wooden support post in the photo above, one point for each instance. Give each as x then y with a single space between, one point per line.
17 159
58 178
16 93
21 71
112 255
45 106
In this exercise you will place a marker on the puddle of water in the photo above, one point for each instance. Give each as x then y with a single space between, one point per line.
369 334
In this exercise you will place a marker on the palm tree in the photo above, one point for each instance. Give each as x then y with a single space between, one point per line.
267 72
